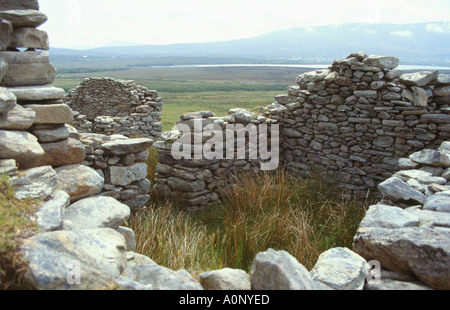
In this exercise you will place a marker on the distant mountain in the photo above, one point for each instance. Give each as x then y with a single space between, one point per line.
424 43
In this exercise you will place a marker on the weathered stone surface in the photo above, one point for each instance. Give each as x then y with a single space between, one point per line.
395 189
421 251
384 62
6 5
29 38
441 91
37 93
154 277
18 118
384 216
126 175
419 79
186 186
226 279
431 158
79 181
6 30
439 203
63 153
35 183
435 218
7 100
24 18
96 212
130 237
56 257
420 97
200 114
21 146
341 269
3 68
52 135
278 270
51 113
8 167
394 285
122 147
435 118
51 215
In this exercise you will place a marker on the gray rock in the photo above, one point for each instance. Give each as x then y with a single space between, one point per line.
29 38
341 269
56 258
226 279
395 189
19 118
421 251
135 259
427 216
439 203
137 202
384 62
193 115
6 5
8 167
52 135
63 153
97 212
51 215
431 158
129 236
24 18
124 176
35 183
79 181
7 100
6 30
419 79
122 147
21 146
441 91
407 164
158 278
383 141
420 97
384 216
278 270
51 113
37 93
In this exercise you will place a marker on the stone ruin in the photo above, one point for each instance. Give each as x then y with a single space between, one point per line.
360 115
109 106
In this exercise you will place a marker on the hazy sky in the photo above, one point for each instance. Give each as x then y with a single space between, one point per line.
86 23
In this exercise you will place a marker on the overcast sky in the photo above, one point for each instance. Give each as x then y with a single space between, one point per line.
91 23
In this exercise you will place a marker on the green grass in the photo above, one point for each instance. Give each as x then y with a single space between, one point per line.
15 224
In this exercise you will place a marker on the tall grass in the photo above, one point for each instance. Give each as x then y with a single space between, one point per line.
304 216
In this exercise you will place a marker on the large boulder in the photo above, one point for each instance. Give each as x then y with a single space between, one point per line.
395 189
79 181
341 269
420 251
278 270
96 212
21 146
85 259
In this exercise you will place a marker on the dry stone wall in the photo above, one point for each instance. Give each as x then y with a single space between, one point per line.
357 118
110 106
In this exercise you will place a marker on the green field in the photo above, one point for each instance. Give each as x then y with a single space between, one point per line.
189 89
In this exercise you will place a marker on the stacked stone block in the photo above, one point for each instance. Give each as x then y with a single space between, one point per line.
200 182
110 106
122 163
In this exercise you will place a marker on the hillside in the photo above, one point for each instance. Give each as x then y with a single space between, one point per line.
429 42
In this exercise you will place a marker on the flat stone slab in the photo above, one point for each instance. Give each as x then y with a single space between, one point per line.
419 79
384 216
27 37
35 183
21 146
37 93
19 118
24 18
89 258
6 5
122 147
51 113
96 212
